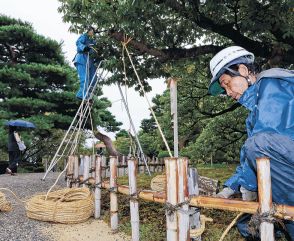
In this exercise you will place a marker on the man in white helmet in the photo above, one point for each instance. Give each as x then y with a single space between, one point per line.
269 96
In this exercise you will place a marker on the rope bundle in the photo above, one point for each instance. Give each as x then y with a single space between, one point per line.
5 206
69 205
158 183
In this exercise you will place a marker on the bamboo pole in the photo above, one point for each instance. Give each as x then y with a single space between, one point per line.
134 205
265 197
183 196
93 166
98 180
86 169
113 194
122 165
194 191
171 198
104 166
69 171
282 211
81 165
76 171
172 83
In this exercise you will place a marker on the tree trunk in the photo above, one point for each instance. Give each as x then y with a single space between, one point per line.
108 143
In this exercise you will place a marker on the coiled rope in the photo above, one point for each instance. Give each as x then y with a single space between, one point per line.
5 206
69 205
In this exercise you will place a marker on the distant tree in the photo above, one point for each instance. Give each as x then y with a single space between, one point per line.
38 85
122 133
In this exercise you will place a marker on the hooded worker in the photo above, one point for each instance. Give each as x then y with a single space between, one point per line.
269 96
85 63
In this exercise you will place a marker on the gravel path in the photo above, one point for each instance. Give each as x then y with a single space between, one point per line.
15 226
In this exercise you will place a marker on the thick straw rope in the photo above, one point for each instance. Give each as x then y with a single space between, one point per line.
5 206
69 205
158 183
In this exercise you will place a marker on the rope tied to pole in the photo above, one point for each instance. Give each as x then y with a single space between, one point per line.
258 218
170 208
135 196
113 190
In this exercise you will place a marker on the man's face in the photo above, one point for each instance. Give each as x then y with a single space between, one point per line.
235 86
91 33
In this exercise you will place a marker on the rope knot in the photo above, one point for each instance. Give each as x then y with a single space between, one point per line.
258 218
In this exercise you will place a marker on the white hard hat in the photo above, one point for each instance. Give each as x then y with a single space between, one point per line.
224 58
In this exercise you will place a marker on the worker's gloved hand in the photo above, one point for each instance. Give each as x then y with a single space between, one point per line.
248 195
225 193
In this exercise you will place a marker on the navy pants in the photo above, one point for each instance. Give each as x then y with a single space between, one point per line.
280 150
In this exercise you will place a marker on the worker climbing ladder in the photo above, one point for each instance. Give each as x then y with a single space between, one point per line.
72 136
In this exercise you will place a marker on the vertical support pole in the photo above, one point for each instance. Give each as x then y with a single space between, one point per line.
174 112
134 205
98 180
76 170
171 198
265 196
183 196
86 169
194 191
103 166
81 166
69 171
113 194
124 164
120 168
93 165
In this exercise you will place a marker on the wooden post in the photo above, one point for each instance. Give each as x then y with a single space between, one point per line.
113 194
93 165
103 166
120 168
98 186
171 198
81 166
265 197
86 169
134 205
69 171
124 163
194 191
183 196
76 171
172 82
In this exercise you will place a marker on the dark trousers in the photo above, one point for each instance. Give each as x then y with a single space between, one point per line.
14 158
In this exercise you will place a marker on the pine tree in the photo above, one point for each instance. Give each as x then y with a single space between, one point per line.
37 84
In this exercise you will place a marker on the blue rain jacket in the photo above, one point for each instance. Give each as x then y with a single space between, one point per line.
84 64
270 129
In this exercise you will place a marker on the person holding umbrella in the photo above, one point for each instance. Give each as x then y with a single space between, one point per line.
15 144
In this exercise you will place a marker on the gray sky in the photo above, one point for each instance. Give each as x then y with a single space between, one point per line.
48 22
